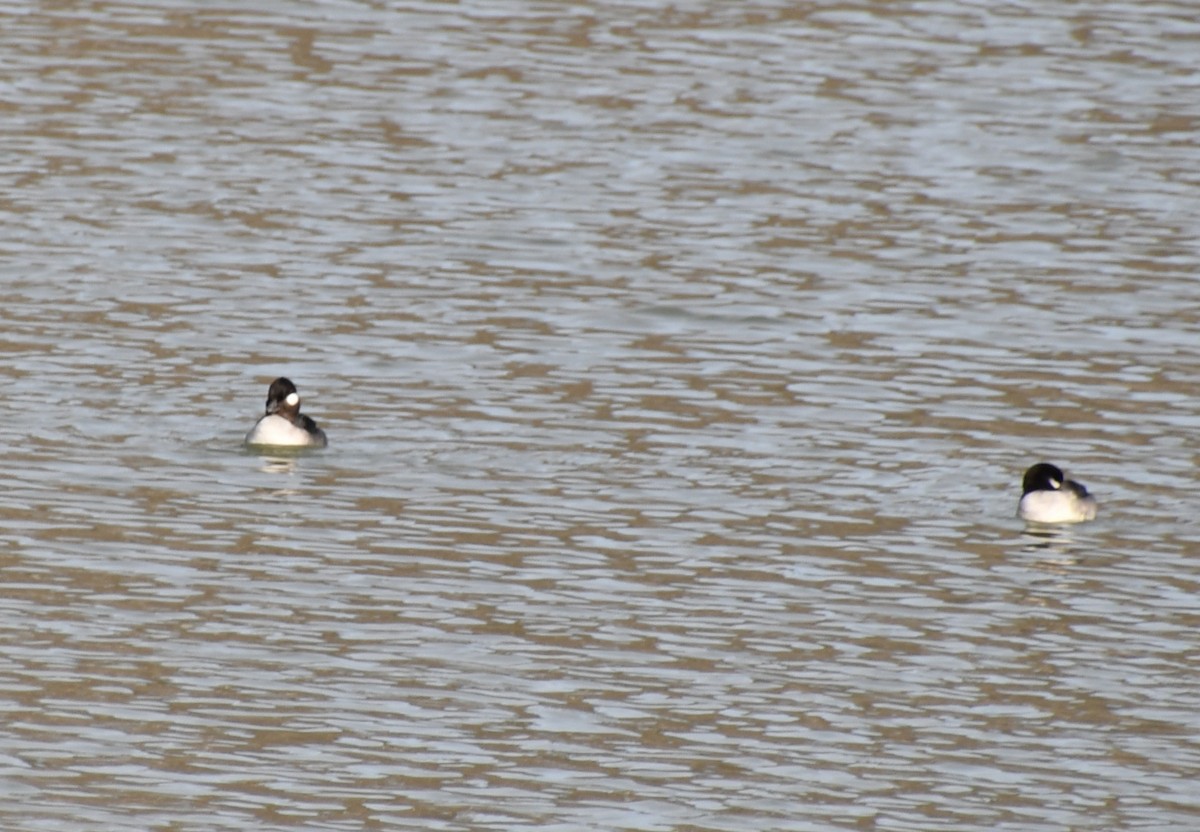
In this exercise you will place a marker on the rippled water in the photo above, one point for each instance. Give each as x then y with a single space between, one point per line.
680 364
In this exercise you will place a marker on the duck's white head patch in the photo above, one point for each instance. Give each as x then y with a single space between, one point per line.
293 399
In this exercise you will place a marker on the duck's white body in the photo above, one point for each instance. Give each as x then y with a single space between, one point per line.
276 430
1062 506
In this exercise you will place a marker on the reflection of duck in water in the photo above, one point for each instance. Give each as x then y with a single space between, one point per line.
284 424
1049 497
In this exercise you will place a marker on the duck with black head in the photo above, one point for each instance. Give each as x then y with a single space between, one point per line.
1049 497
283 425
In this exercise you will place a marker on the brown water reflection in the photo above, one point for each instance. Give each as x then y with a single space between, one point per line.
679 367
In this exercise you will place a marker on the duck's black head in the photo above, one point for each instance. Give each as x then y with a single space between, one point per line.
1042 477
282 395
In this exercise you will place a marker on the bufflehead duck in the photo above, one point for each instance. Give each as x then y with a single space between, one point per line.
1049 497
283 423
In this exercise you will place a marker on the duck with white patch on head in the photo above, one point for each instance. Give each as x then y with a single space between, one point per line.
283 425
1049 497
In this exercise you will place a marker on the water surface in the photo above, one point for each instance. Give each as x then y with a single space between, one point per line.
679 366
